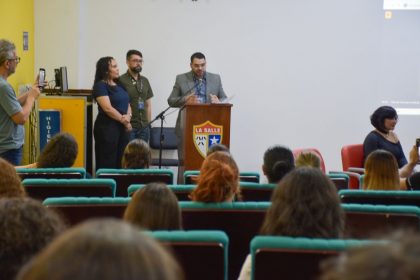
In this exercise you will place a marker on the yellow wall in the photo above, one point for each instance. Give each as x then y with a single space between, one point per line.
17 16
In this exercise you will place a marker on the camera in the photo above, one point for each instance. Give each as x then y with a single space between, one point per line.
41 78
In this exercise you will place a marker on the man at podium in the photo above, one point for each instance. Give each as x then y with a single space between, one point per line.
196 86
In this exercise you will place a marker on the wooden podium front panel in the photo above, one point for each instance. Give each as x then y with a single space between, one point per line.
198 115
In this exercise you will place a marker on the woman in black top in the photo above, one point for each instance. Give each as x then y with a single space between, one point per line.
114 113
384 119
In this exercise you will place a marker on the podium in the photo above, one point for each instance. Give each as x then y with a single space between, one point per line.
202 125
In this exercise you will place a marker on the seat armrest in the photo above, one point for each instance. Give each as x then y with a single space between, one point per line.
358 170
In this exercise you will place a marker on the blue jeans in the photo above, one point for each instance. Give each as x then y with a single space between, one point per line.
13 156
140 133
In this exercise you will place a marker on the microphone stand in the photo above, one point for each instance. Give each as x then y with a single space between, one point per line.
160 116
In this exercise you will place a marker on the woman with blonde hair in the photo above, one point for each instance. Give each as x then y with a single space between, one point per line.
381 171
218 180
137 155
308 159
154 207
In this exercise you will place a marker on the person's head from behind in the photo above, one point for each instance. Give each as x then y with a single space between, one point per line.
217 148
381 171
198 64
308 159
154 207
383 261
305 203
8 58
104 249
137 155
278 161
10 182
218 180
384 119
106 69
134 60
26 227
60 151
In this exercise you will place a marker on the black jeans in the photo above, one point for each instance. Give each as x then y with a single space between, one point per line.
110 141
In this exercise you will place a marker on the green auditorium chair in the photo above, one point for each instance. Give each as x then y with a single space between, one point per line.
51 173
202 254
190 176
297 258
256 191
44 188
127 177
182 192
240 220
79 209
380 197
376 221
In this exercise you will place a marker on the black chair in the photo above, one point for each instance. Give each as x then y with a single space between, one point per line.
170 142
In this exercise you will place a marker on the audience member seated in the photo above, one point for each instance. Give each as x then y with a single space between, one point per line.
102 249
384 119
308 159
381 171
26 227
411 183
217 148
137 155
154 207
304 204
218 180
392 260
278 161
60 151
10 184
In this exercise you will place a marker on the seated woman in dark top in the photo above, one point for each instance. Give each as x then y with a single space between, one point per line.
384 119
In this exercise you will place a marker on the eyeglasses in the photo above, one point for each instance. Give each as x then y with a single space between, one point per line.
16 59
137 60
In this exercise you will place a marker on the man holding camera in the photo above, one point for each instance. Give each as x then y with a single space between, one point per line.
14 111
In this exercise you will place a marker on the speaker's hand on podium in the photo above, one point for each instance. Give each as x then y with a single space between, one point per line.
214 99
191 99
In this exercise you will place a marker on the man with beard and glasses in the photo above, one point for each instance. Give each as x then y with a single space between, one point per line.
140 93
195 86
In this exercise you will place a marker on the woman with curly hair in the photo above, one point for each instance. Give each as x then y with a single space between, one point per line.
60 151
381 171
105 249
154 207
304 204
26 228
218 180
137 155
10 183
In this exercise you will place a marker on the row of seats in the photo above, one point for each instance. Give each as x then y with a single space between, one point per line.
124 178
242 220
204 254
